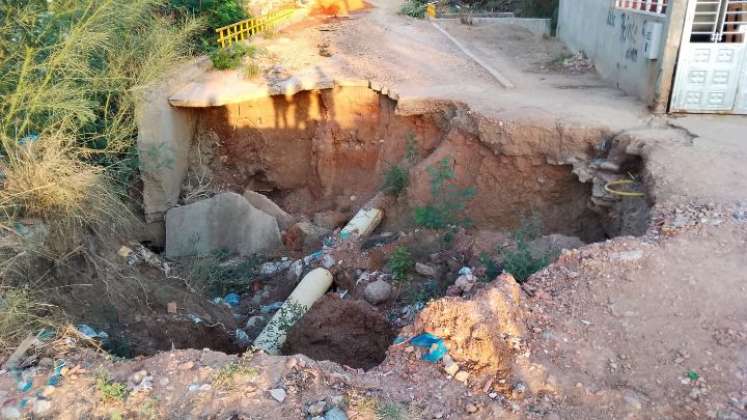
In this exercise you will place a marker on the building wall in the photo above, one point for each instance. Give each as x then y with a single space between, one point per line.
613 38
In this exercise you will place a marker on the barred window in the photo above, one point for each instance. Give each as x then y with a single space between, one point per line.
651 6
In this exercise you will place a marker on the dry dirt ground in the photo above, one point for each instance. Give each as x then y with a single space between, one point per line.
650 327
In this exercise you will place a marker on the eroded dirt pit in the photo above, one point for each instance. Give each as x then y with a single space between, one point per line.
319 156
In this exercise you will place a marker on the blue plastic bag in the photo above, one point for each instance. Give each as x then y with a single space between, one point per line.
427 340
232 299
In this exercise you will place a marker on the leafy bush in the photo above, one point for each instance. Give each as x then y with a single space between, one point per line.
214 13
413 8
396 179
232 56
401 263
521 263
448 201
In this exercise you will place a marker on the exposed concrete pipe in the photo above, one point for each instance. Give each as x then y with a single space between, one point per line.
312 287
367 219
362 224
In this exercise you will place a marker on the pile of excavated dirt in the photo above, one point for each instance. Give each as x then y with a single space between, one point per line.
348 332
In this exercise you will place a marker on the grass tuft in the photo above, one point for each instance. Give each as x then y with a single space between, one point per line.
232 56
396 179
401 263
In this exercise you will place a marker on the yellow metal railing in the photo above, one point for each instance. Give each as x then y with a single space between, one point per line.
238 31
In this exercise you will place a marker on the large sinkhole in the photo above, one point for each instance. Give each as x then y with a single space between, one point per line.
320 155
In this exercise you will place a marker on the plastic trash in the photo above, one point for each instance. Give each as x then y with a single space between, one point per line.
312 257
328 261
274 267
232 299
436 346
28 139
87 331
196 319
465 271
335 413
242 338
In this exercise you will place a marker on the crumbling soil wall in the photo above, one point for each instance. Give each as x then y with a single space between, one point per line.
329 149
316 145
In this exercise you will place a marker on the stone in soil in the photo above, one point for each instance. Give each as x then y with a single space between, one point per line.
377 292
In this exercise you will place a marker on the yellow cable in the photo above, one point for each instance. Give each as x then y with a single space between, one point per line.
622 193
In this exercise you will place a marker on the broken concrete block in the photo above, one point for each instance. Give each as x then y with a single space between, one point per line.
305 236
268 206
224 222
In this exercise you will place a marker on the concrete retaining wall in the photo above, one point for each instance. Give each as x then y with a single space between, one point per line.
614 40
539 26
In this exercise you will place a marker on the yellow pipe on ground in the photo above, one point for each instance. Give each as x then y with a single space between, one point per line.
313 286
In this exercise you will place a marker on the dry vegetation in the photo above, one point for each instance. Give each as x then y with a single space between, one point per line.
69 73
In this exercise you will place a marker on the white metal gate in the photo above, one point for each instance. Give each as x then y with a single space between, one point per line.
712 67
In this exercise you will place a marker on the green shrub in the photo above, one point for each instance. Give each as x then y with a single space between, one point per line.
396 179
448 201
110 390
522 262
413 8
492 269
213 13
401 263
232 56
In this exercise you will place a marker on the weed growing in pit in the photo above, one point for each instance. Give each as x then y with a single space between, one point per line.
225 378
423 294
411 148
522 262
110 390
401 263
216 275
492 268
448 201
20 313
396 179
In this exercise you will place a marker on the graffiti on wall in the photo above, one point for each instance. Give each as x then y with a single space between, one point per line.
632 32
629 29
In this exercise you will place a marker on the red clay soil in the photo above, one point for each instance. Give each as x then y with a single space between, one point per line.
349 332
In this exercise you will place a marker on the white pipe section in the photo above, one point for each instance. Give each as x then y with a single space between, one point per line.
362 224
313 286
